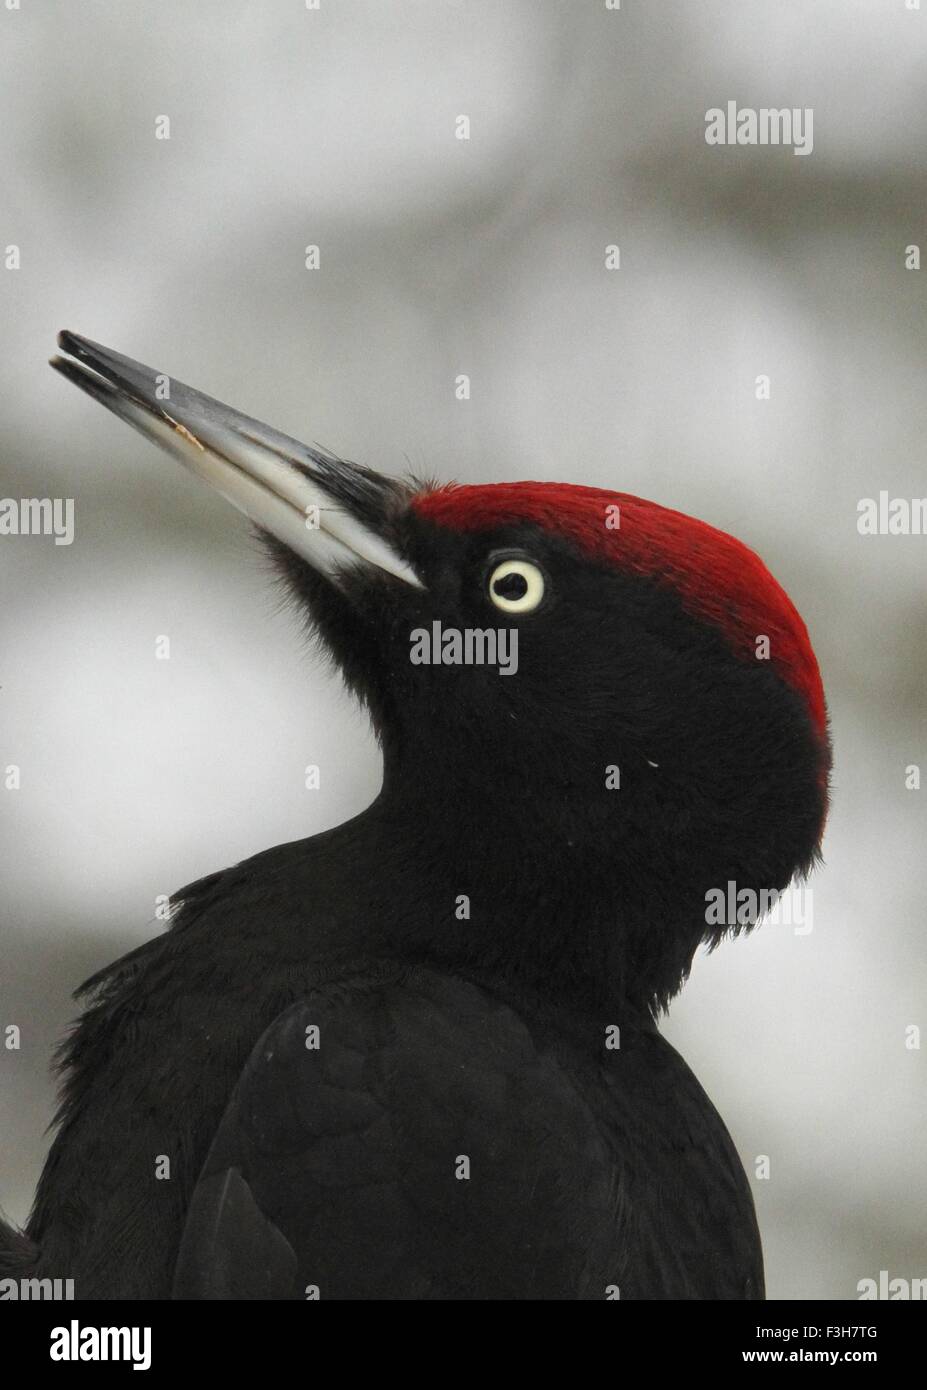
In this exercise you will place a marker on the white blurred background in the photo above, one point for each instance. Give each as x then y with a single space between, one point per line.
336 127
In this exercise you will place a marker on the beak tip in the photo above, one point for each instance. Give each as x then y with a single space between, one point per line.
72 343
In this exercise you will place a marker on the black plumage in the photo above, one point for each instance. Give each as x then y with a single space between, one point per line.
486 1109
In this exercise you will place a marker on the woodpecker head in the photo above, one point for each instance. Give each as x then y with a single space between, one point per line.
589 696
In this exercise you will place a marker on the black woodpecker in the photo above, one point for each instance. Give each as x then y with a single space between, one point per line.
416 1056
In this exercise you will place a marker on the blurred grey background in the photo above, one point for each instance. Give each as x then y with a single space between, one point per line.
335 127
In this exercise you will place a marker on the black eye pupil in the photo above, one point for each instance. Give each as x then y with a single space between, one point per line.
512 586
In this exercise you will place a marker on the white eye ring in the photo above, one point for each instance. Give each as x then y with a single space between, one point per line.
534 586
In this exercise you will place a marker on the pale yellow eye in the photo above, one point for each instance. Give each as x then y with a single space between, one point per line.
516 586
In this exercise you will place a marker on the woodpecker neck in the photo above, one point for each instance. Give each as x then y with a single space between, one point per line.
525 886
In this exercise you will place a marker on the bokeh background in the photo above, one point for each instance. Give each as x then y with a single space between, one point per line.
335 127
